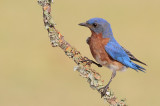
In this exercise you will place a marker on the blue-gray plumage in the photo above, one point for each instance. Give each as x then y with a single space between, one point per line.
107 51
118 53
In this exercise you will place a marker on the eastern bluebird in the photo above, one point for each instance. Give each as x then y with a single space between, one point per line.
107 51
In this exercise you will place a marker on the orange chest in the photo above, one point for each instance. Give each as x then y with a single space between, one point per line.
97 47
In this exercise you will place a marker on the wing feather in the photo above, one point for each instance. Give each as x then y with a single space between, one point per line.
119 54
132 57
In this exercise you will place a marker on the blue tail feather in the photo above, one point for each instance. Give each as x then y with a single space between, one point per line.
137 67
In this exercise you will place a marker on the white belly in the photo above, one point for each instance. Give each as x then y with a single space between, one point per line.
116 68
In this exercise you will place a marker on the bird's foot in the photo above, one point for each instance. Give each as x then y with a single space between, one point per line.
104 90
91 61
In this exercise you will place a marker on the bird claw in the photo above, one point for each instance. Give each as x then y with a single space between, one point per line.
104 92
90 62
99 65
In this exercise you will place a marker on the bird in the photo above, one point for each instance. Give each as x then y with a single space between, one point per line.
107 51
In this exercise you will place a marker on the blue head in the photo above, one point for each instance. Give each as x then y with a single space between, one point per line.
99 25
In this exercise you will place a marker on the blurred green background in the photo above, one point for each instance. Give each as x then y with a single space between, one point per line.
32 73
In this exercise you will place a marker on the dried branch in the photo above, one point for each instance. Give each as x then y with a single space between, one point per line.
57 40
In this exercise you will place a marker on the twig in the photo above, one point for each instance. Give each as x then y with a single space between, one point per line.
94 78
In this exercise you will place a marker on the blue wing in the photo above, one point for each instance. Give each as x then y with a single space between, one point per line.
118 53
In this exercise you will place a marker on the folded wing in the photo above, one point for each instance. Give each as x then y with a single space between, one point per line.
119 54
132 57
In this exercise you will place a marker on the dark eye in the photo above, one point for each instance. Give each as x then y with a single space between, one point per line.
95 24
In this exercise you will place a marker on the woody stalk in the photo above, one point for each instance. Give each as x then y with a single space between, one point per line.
83 67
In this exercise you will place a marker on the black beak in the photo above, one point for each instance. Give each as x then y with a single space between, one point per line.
83 24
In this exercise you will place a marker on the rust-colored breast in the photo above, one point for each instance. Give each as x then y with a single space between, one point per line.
97 46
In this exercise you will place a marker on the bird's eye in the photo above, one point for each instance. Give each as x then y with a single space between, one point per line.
94 24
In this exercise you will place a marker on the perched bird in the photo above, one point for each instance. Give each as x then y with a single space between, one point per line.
107 51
